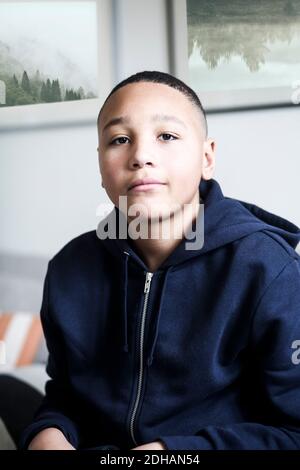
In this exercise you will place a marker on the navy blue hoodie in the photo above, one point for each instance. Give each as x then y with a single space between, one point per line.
204 353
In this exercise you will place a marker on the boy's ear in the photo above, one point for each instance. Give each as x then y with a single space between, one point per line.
208 159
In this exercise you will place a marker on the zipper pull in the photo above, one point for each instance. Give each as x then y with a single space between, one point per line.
147 282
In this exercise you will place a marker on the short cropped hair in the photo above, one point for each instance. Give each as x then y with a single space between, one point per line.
166 79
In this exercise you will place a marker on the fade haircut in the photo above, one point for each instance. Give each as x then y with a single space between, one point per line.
166 79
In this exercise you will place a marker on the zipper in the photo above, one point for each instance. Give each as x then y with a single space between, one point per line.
141 351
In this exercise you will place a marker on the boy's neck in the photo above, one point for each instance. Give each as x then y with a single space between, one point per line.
154 251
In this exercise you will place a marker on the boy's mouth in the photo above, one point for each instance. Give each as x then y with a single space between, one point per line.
144 184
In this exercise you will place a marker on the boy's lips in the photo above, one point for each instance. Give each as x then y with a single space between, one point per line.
144 184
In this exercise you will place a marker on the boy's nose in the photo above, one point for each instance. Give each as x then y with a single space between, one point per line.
140 158
141 163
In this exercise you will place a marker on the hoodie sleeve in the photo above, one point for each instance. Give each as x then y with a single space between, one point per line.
56 408
275 338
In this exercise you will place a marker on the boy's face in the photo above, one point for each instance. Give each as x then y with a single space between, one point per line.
161 137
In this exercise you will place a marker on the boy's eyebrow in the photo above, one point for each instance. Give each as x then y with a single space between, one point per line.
155 117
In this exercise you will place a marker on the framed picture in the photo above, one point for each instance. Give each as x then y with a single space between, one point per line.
238 54
56 61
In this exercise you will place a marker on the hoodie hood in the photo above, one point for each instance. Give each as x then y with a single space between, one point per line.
224 220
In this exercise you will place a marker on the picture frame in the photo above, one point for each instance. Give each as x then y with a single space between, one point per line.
235 98
77 112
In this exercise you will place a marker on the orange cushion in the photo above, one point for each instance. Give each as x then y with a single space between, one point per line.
21 336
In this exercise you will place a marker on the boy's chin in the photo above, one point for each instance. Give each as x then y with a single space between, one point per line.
152 214
146 219
154 211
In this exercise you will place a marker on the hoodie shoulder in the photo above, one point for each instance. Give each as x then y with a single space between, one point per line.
80 247
280 244
268 250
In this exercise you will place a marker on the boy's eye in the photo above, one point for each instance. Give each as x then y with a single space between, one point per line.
168 137
118 141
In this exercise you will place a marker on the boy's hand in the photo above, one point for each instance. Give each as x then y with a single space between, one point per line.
157 445
50 439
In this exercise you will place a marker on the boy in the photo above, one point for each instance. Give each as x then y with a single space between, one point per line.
153 345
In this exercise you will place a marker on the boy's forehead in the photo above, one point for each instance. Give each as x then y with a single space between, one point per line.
155 100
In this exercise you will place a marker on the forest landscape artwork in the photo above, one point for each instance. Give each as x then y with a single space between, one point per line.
48 52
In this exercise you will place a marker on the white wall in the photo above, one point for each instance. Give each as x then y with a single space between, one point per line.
258 158
50 188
